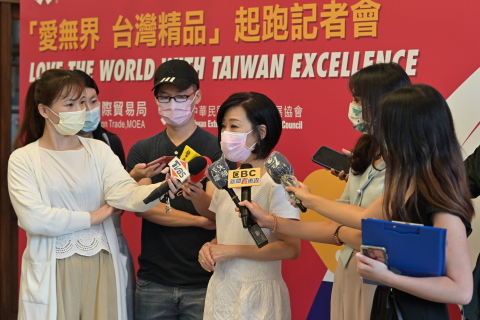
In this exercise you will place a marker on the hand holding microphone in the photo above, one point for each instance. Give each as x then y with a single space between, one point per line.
218 174
302 193
193 183
261 217
281 172
180 171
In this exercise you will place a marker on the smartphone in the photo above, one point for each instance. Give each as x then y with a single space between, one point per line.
374 252
165 159
331 159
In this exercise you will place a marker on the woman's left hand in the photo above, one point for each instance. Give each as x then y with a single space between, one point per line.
371 269
222 252
205 258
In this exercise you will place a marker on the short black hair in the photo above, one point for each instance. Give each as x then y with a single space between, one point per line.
260 109
89 82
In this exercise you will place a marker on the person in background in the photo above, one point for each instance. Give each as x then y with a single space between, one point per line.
247 282
93 129
472 165
64 189
171 284
351 298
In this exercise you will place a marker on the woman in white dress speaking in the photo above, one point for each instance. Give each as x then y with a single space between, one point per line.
247 282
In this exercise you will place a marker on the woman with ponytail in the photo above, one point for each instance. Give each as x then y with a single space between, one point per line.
65 189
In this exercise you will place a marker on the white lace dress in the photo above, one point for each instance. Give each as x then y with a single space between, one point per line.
71 182
248 289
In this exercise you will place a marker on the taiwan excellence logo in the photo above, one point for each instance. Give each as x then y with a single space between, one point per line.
40 2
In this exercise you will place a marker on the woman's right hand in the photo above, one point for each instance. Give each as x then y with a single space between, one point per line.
205 258
302 193
141 171
100 215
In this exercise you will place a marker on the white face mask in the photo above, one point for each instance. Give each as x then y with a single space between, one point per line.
70 122
233 146
356 117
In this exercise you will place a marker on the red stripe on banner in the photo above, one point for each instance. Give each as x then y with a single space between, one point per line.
471 133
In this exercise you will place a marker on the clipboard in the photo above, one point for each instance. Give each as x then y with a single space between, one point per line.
413 250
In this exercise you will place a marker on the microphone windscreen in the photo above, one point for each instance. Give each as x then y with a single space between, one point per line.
217 172
196 165
277 166
203 172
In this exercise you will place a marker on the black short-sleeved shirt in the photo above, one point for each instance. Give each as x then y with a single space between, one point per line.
169 255
386 299
472 166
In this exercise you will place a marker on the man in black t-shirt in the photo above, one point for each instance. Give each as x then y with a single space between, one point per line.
171 283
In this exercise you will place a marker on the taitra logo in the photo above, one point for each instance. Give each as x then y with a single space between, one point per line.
40 2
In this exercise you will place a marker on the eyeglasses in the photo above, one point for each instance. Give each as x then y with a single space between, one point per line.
179 98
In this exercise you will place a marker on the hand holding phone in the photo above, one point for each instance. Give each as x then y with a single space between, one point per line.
331 159
372 273
165 159
375 252
142 170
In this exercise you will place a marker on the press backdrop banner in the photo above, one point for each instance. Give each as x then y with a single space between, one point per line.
300 54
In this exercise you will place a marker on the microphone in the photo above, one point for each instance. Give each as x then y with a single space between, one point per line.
181 171
218 174
246 195
206 162
281 172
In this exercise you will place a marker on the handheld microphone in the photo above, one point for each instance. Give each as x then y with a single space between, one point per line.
246 195
218 174
281 172
206 162
181 171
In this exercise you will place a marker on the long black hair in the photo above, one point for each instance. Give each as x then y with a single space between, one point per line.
421 152
370 85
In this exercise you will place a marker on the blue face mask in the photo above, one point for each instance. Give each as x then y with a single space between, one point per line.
92 120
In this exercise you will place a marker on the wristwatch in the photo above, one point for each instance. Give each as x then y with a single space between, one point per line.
335 234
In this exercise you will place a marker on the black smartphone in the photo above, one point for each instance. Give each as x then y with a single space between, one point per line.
376 253
331 159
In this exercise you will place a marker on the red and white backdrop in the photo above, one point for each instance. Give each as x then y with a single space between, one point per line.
300 54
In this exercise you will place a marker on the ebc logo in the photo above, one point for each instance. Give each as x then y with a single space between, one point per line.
40 2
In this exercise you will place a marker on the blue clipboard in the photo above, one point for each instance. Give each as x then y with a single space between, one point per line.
412 250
